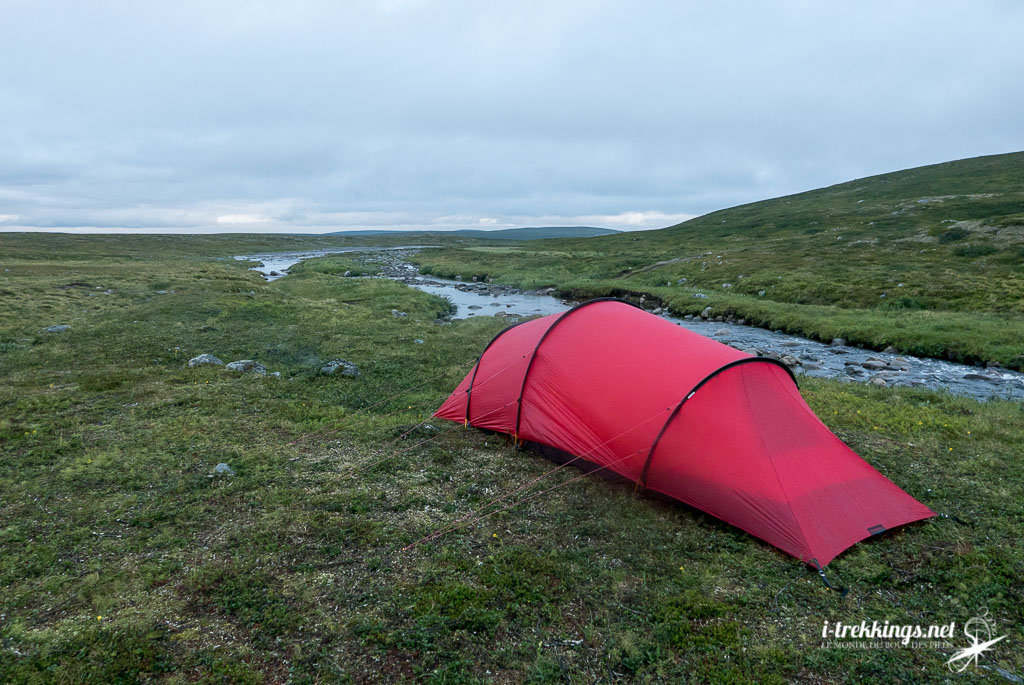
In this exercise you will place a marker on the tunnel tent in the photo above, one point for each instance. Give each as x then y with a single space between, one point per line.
685 416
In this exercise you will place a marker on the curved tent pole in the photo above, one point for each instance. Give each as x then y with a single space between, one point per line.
476 367
533 356
642 481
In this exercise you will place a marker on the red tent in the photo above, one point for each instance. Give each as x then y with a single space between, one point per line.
685 416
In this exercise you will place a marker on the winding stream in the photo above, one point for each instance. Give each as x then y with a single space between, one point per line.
842 362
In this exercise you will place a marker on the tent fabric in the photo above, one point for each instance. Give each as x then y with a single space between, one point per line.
685 416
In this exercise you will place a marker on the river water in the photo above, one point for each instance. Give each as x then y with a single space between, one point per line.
808 357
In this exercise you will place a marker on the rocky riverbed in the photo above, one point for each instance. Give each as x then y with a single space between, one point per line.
837 360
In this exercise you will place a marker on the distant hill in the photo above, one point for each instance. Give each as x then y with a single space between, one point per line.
525 233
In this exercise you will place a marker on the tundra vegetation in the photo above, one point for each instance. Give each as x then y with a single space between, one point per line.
128 555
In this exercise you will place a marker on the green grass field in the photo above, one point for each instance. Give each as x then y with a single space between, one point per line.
125 558
929 260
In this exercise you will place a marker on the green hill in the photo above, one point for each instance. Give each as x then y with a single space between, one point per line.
928 259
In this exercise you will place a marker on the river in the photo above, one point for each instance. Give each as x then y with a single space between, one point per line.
808 357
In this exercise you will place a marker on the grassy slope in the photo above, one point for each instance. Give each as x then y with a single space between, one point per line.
124 559
944 244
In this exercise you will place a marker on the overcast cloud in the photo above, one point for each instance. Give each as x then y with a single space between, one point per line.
323 115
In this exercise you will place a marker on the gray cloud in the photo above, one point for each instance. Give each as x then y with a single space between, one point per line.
318 115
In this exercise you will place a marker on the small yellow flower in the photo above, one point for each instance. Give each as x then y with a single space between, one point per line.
99 618
494 535
950 449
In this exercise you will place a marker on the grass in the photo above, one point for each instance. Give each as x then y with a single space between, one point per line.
930 260
126 559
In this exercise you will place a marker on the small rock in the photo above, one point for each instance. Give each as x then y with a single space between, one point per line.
657 310
791 343
203 360
854 370
808 366
880 382
872 365
474 306
699 296
418 341
727 285
398 315
274 273
890 350
680 281
706 313
347 274
760 293
223 469
980 377
722 331
789 360
742 322
247 365
340 367
883 296
836 342
59 328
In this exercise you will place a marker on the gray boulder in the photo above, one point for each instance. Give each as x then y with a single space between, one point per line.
854 371
247 366
680 281
340 367
59 328
980 377
706 313
760 293
397 314
873 365
223 469
836 342
699 296
204 360
890 350
878 381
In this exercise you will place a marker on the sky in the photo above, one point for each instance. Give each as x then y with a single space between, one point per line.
312 116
